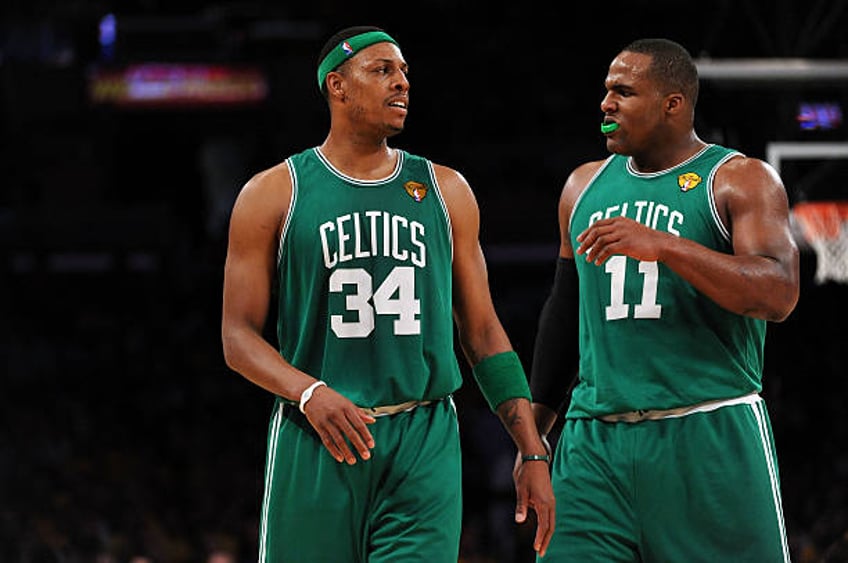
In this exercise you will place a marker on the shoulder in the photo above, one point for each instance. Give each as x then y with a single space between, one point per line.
578 179
741 166
449 178
265 182
742 174
266 195
459 200
746 184
452 184
581 175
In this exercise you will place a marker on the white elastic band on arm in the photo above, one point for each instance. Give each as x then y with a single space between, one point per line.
307 394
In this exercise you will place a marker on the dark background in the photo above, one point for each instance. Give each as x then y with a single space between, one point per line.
124 435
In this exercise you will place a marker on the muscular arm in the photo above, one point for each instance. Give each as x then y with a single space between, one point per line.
556 351
480 331
255 226
481 335
760 279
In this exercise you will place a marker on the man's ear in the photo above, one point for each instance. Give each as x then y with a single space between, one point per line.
674 102
335 85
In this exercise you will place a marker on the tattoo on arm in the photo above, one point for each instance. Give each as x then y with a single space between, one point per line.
509 413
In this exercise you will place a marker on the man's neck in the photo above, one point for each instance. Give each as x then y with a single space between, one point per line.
363 160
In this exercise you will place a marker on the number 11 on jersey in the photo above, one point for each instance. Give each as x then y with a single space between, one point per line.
616 267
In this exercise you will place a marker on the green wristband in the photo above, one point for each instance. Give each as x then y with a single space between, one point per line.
501 377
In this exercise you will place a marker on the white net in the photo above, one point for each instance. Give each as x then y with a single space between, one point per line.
824 226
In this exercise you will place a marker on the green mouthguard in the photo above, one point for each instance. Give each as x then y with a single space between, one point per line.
608 127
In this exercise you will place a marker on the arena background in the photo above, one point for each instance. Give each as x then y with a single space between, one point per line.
127 128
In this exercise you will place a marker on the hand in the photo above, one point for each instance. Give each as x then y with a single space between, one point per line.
338 421
620 235
533 489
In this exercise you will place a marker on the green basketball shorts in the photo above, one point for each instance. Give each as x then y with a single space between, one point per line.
403 504
701 487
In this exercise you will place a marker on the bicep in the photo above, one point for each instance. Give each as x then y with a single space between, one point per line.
758 211
469 266
251 257
577 181
471 298
563 217
479 328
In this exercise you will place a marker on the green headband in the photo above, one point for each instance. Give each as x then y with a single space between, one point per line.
348 48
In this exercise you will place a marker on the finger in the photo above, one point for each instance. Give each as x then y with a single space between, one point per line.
544 530
590 232
349 458
601 256
602 247
330 445
520 506
594 251
337 446
366 418
586 239
597 238
359 437
360 424
610 247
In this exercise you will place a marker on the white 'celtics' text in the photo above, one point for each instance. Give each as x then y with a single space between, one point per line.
374 233
654 215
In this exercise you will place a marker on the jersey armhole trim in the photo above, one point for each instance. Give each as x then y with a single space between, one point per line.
722 228
289 212
442 203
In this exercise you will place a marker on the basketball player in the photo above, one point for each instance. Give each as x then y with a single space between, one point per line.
373 252
674 255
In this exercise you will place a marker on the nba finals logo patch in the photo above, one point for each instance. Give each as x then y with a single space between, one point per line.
416 190
347 48
688 181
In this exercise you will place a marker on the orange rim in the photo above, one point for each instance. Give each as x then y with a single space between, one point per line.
821 219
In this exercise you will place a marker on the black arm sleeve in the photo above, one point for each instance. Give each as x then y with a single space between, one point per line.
556 352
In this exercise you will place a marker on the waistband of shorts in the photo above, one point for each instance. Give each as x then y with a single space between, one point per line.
389 410
633 417
290 408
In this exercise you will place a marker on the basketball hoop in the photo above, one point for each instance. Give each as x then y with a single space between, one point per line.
823 225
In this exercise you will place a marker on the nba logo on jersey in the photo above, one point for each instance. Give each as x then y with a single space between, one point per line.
347 48
688 181
416 190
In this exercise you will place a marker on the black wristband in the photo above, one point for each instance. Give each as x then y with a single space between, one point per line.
545 458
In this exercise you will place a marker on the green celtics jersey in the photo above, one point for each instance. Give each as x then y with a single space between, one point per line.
365 282
648 338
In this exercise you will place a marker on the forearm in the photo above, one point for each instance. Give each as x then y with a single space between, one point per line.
484 339
763 287
556 350
250 355
517 417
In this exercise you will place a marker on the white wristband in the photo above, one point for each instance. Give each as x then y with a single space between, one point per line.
307 394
